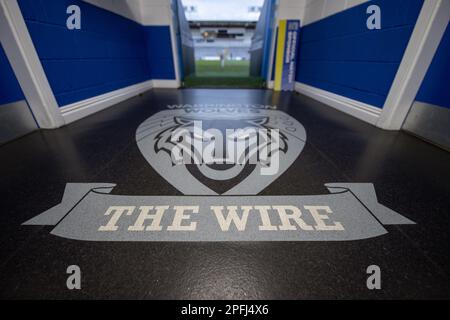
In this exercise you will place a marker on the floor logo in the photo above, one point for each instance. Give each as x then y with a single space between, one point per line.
237 176
220 157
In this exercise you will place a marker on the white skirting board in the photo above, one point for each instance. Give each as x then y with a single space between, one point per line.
159 83
84 108
352 107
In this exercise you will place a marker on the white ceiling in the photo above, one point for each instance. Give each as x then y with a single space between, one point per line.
222 10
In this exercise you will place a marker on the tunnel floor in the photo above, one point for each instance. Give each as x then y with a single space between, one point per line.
387 195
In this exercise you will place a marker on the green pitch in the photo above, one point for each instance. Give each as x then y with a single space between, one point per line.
234 74
213 69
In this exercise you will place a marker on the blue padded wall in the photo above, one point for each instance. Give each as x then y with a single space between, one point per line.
339 54
159 51
10 90
108 53
435 87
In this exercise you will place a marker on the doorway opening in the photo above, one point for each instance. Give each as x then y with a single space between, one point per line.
224 44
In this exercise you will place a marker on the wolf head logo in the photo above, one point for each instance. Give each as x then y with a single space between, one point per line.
155 139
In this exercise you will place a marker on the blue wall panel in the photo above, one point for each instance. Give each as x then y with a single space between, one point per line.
10 90
435 86
159 50
339 54
108 53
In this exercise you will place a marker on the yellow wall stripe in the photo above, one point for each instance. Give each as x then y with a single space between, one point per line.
280 54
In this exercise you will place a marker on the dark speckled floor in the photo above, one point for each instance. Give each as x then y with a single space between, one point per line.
410 176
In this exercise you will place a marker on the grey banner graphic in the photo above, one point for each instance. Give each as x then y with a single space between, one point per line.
88 212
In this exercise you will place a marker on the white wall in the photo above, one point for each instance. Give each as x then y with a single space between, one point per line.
145 12
128 8
155 12
315 10
309 11
290 9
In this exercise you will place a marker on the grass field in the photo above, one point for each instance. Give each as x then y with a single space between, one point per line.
213 69
235 74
